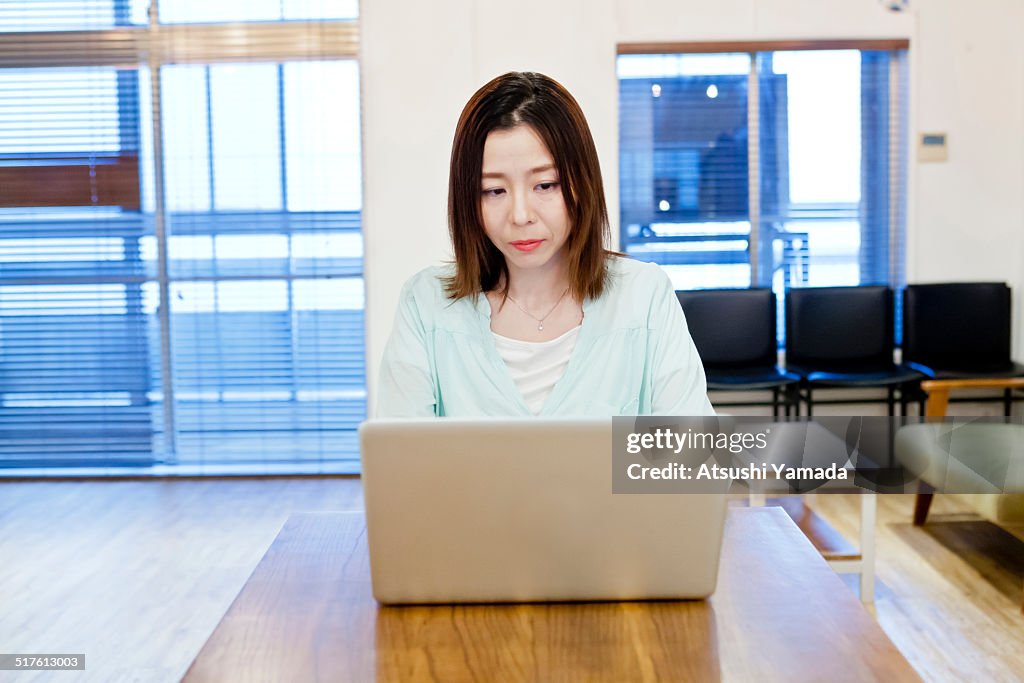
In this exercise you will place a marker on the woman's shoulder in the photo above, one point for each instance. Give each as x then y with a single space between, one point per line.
426 294
629 277
430 280
635 290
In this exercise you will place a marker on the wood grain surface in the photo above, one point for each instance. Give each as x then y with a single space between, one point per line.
779 613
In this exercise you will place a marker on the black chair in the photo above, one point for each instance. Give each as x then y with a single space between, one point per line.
959 330
842 337
734 331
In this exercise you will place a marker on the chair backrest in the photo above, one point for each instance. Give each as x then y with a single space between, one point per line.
839 327
957 325
732 327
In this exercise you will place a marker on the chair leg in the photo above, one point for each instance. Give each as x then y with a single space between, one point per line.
792 399
1007 402
922 502
912 393
775 401
890 401
810 402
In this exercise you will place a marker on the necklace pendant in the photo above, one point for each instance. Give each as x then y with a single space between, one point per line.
540 327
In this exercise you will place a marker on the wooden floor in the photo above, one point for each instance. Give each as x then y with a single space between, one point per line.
949 622
137 574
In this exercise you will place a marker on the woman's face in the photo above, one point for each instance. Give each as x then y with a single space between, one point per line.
521 200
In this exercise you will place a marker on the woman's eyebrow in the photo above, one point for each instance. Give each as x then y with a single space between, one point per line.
537 169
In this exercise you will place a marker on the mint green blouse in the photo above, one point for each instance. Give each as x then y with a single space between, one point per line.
633 356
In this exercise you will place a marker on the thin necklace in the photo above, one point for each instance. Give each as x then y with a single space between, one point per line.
540 321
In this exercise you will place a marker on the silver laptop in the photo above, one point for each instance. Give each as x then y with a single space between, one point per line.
522 510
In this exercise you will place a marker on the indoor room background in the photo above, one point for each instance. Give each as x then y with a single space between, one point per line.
305 179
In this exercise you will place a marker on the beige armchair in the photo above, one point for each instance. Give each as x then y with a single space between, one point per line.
998 507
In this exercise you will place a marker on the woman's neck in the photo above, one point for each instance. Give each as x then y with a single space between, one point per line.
538 285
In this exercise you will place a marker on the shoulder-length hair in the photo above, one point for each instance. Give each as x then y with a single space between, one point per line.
532 99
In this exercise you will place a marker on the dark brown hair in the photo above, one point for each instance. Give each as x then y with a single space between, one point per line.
524 98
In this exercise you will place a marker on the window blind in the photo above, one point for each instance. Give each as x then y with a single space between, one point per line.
265 260
70 15
180 243
203 11
73 344
684 165
823 132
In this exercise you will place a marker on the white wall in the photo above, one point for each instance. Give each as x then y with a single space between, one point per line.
969 82
421 61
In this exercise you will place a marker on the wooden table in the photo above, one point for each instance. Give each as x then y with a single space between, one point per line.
307 614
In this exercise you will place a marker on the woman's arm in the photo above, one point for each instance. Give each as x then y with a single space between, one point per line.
678 385
407 387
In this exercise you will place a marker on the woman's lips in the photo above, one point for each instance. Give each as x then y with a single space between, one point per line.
526 245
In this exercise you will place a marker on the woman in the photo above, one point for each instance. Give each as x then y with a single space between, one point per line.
536 316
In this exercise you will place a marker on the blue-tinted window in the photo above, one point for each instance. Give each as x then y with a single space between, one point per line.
827 204
225 334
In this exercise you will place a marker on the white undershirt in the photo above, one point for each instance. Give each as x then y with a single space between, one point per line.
536 366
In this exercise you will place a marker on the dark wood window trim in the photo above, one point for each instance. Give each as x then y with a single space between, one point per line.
86 180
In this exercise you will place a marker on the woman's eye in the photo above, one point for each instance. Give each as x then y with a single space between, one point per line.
547 187
494 192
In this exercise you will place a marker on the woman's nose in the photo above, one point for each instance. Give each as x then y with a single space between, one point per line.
522 212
